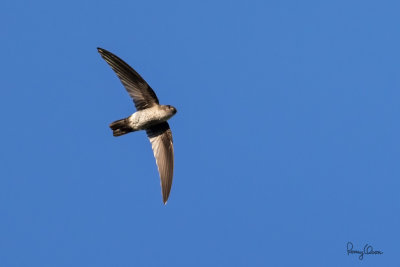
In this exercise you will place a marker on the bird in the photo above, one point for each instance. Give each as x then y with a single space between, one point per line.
150 117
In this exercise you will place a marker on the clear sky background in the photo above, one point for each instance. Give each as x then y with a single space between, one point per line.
286 137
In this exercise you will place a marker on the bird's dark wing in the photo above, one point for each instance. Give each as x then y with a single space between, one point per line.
161 141
142 94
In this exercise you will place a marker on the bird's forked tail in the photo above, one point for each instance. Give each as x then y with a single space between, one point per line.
121 127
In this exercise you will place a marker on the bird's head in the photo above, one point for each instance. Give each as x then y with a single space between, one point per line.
171 109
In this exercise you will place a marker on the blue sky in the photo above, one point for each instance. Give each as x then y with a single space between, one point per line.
286 137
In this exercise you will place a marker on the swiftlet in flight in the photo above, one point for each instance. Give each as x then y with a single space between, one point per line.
150 116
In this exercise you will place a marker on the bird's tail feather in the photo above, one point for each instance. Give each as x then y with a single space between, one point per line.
121 127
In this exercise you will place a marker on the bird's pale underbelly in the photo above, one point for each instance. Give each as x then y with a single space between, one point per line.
145 118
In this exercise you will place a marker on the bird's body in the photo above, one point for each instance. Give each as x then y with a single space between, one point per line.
143 119
150 116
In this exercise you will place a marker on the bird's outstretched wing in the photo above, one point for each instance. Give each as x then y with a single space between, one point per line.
161 141
142 94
